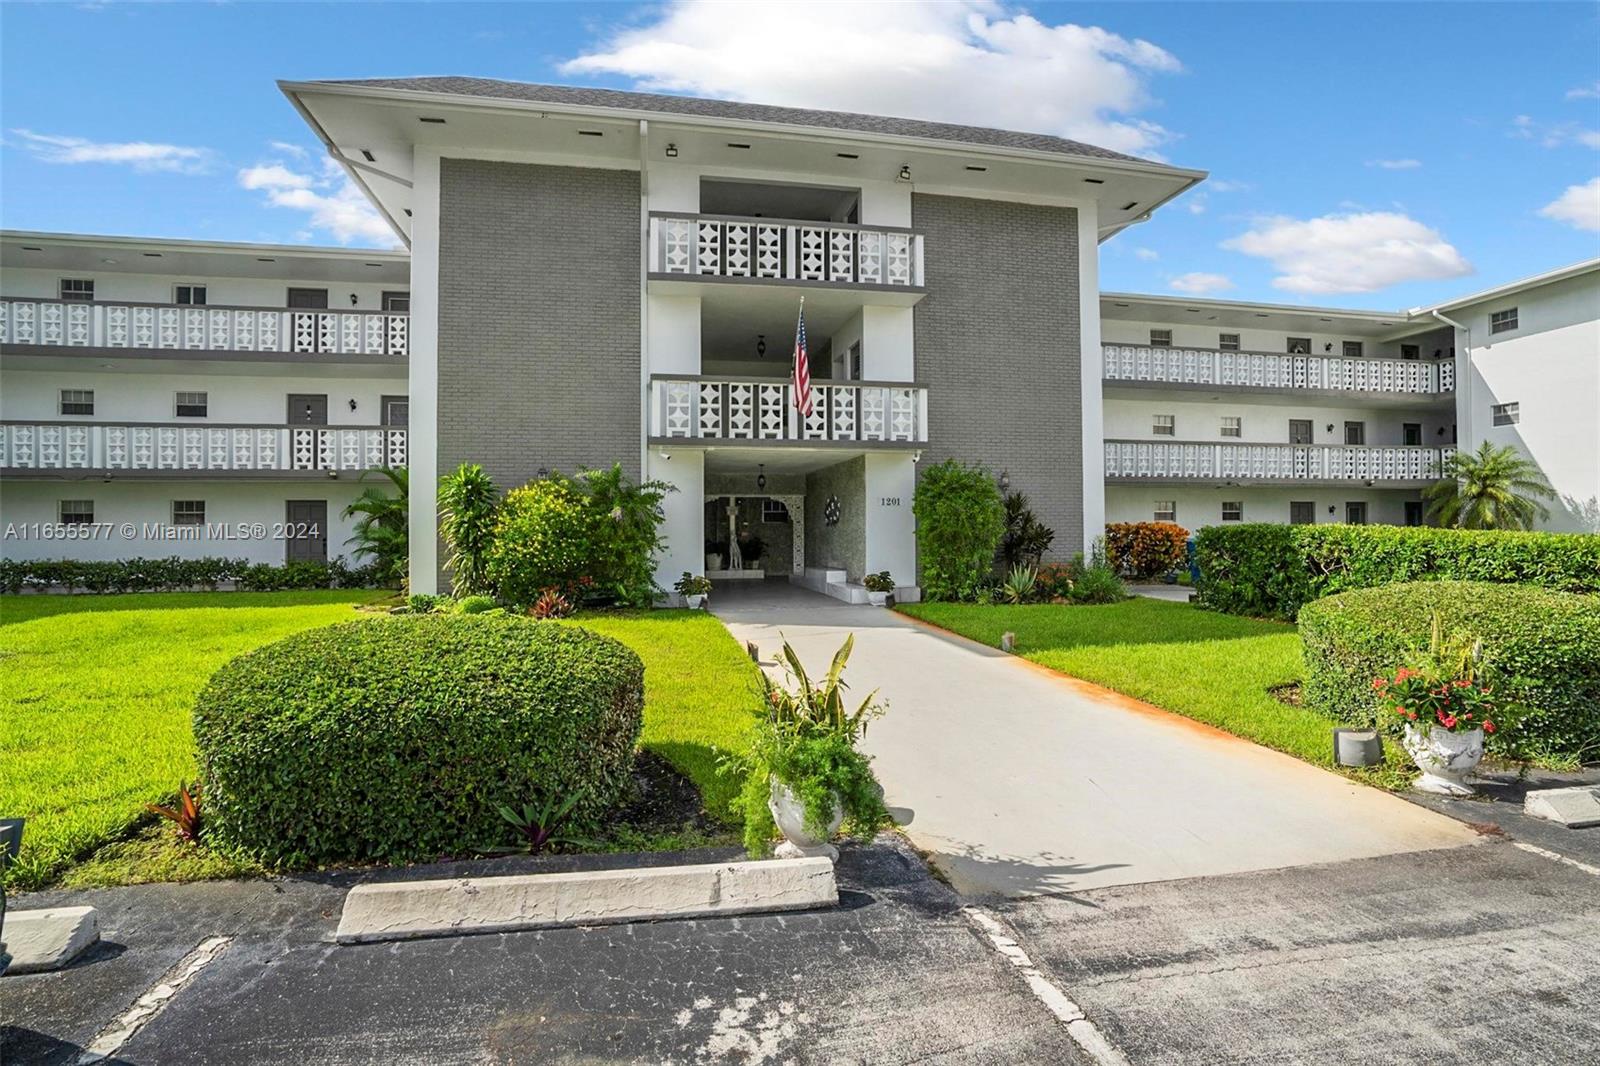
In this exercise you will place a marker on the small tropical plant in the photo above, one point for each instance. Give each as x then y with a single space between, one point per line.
552 603
184 815
426 603
692 585
1494 487
469 506
1026 539
1020 585
382 527
539 826
882 581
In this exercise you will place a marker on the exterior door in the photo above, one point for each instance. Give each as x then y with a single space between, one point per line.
396 411
307 409
308 299
1299 431
307 535
1355 514
1413 512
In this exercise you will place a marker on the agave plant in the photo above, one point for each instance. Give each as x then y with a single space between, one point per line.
819 709
382 527
185 814
1491 488
1020 584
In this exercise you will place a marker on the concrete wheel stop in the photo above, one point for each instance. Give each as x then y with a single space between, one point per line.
1575 808
50 938
407 910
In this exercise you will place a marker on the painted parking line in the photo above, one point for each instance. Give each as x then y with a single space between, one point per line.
1083 1032
1554 856
110 1040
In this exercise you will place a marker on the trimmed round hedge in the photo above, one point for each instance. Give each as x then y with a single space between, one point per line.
1543 646
397 739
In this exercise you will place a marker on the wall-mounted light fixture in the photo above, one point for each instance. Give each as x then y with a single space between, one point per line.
352 403
1332 509
1327 346
905 173
1005 479
544 472
352 299
761 478
761 345
1330 427
672 151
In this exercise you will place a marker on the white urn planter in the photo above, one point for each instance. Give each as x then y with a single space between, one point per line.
1445 758
695 601
790 814
713 561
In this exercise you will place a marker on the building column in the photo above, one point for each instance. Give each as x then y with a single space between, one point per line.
422 448
682 526
1090 358
890 529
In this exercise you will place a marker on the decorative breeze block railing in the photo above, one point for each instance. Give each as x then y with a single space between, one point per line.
1265 370
730 410
1281 462
795 251
219 329
99 446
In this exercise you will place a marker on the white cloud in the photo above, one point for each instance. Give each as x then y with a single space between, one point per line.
296 150
1579 206
331 201
1149 255
1221 185
1553 134
1199 283
1585 92
1395 164
1195 202
980 62
1359 252
140 155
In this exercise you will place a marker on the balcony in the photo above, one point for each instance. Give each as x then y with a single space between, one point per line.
1141 364
105 326
153 449
762 409
1132 461
829 254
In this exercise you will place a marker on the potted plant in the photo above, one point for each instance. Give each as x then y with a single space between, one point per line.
694 588
750 549
805 775
879 586
1445 706
716 552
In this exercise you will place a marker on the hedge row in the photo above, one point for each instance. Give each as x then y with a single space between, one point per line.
1270 571
1146 549
1542 646
399 739
167 575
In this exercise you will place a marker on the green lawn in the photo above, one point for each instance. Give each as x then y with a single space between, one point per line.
96 693
1214 668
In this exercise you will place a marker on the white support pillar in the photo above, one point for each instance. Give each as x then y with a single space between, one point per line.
684 510
422 446
890 529
1090 370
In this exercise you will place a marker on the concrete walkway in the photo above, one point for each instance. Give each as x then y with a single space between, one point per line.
1018 781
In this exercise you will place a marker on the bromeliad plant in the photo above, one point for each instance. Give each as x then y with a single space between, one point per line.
184 815
540 826
806 740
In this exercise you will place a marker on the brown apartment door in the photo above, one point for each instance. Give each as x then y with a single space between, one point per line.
306 538
308 299
1299 431
307 409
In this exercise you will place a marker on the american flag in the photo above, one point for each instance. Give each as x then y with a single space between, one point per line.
802 366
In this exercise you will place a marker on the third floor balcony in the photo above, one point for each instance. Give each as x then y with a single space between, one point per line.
782 251
1139 365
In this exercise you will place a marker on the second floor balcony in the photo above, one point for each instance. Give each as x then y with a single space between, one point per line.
721 410
114 327
154 449
1133 461
1141 364
814 253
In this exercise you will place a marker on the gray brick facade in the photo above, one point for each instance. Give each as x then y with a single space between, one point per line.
539 356
998 342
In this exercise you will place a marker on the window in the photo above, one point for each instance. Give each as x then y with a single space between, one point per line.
1299 431
396 411
308 299
1161 338
1506 414
1302 512
1166 510
1355 433
1164 426
1352 349
1410 351
1233 512
1228 342
192 405
1355 514
1453 433
75 512
188 512
194 295
1411 434
1499 322
1232 426
397 303
1413 512
77 401
855 361
77 290
774 511
1299 345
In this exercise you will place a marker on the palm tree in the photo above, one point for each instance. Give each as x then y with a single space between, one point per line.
383 529
1491 488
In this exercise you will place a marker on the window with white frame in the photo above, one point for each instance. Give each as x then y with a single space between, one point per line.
77 401
1161 338
192 405
75 512
1166 510
1352 349
1410 351
1355 433
77 290
1228 342
1503 321
1233 512
188 512
1164 425
190 294
1302 512
774 511
1232 426
1506 414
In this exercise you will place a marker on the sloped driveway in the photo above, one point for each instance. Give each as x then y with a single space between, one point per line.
1017 781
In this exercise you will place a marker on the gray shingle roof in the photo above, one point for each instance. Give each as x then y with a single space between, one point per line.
730 109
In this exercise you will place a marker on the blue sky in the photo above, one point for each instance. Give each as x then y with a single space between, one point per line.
1367 155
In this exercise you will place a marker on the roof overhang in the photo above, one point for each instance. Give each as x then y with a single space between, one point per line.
1238 314
27 249
1549 277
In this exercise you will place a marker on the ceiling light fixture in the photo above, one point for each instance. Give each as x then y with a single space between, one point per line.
905 172
761 345
672 151
761 478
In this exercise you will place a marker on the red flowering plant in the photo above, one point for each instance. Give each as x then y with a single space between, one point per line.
1446 687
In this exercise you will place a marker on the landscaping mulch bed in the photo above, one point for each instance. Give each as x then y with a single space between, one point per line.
664 801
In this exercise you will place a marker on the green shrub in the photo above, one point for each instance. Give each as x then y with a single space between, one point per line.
175 574
1542 648
475 604
960 520
1271 570
469 506
545 538
1026 539
628 534
1145 549
397 739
